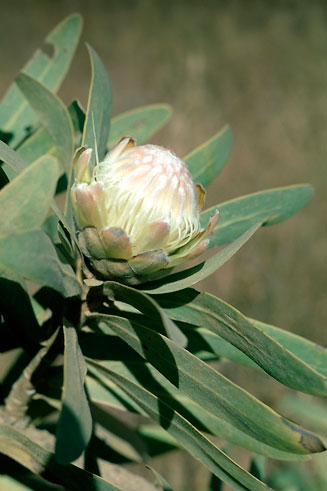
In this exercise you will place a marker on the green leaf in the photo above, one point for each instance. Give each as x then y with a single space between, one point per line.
16 163
38 460
145 304
98 112
188 277
21 320
313 412
212 390
15 113
41 142
258 466
205 310
192 440
33 256
206 161
25 202
161 481
152 380
38 144
140 123
119 431
52 113
307 351
271 206
75 423
77 115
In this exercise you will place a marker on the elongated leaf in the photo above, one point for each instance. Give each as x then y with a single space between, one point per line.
41 142
22 321
38 460
33 256
15 113
140 123
311 411
37 145
188 277
271 206
212 390
311 353
98 112
153 381
192 440
16 163
164 485
75 423
205 310
52 114
149 307
25 202
206 161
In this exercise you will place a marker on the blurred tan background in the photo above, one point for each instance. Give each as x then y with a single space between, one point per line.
259 66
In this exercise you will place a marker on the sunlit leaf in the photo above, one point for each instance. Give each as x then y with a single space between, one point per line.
98 112
271 206
140 123
52 114
25 202
206 161
16 116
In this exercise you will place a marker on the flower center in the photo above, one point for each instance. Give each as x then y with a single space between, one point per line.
148 183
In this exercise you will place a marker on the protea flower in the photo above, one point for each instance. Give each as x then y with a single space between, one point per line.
137 212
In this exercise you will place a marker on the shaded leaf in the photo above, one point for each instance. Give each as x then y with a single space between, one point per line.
192 440
33 256
148 306
22 320
77 115
40 461
161 481
110 396
206 310
206 161
98 112
140 123
75 423
52 113
16 116
212 390
271 206
188 277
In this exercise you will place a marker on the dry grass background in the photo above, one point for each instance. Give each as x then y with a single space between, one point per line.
261 67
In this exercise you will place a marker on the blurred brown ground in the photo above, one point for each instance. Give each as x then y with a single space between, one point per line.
261 67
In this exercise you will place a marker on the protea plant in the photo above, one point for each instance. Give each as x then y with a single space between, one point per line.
110 373
138 212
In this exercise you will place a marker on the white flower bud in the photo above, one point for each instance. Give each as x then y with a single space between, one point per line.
142 206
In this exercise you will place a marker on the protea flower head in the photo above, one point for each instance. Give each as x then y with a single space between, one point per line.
138 212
